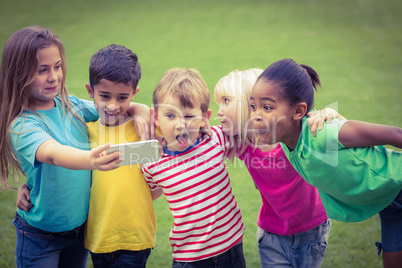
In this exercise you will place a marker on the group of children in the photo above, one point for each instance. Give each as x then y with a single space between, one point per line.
303 179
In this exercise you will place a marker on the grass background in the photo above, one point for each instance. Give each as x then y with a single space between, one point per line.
354 45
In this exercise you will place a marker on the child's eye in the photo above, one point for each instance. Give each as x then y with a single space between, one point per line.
42 70
57 67
267 107
226 100
104 96
170 116
252 107
123 98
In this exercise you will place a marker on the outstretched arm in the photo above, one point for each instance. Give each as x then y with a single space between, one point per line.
361 134
53 153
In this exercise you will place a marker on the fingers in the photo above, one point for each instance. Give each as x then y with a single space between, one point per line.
207 128
100 150
105 166
152 125
313 122
108 161
104 161
320 121
24 205
23 198
142 127
162 143
313 126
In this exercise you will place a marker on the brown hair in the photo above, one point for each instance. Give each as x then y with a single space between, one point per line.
19 66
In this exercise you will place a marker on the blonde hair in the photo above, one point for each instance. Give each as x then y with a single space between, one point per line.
238 84
19 66
187 85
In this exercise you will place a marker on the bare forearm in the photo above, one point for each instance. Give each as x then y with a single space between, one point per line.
53 153
67 157
361 134
395 137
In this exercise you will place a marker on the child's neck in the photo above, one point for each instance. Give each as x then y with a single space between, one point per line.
122 120
293 138
266 147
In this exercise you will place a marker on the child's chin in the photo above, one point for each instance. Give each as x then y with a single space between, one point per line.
109 122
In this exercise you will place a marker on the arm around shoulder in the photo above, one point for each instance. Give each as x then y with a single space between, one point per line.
361 134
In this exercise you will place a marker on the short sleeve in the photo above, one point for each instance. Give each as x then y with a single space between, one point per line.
225 141
148 178
27 134
328 137
85 108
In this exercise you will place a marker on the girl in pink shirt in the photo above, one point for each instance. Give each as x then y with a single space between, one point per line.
293 228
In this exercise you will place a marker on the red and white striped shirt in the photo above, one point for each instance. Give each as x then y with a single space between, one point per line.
207 220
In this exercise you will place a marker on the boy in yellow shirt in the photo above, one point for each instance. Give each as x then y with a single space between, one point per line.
121 226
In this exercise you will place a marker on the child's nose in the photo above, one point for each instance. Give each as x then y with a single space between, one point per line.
52 76
112 106
220 111
256 116
181 123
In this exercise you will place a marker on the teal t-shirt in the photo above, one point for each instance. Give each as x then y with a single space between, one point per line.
60 196
353 183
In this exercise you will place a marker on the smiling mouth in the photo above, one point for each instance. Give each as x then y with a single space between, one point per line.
111 114
182 139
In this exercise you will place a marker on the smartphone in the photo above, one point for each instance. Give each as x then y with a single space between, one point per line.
137 152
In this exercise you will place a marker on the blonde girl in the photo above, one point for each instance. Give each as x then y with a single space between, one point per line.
293 227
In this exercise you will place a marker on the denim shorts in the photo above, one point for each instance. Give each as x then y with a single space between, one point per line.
305 249
232 258
121 258
391 226
38 248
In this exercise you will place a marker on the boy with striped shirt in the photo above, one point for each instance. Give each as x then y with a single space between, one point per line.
208 226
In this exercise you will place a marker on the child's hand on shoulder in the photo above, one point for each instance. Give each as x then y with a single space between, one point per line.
316 119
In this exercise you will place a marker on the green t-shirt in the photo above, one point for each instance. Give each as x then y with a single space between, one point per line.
354 183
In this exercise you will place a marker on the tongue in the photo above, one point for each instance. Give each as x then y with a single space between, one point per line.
182 139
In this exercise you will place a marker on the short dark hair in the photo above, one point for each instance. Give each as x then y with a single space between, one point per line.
115 63
297 81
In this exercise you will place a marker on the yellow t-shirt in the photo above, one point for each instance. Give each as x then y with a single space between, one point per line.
121 214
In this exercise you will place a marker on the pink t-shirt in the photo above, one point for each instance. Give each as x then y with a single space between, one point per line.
289 204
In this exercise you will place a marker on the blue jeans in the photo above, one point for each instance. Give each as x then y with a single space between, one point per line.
391 226
38 248
232 258
305 249
121 258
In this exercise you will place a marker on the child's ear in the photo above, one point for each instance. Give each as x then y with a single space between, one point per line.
135 92
154 113
205 117
300 111
90 91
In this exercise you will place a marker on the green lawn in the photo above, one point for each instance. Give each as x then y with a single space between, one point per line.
354 45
